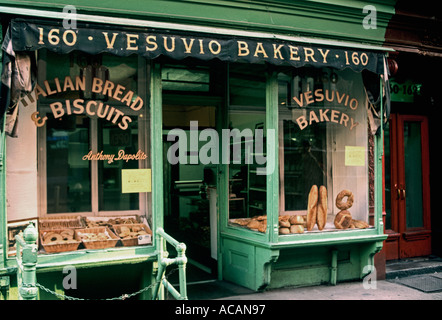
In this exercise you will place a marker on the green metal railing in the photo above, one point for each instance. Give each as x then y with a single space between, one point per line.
164 262
26 263
26 258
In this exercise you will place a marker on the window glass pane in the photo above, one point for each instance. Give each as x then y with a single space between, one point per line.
123 146
247 188
323 148
68 176
413 173
93 108
180 78
305 161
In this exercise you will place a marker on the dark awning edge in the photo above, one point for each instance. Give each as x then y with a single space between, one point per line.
28 35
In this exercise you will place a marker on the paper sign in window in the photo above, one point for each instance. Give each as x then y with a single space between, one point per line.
354 156
136 180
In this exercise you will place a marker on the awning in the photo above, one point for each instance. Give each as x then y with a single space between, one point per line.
25 37
149 43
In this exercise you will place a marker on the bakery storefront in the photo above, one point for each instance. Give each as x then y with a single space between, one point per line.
262 155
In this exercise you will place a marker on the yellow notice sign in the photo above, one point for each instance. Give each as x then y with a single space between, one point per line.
136 180
354 156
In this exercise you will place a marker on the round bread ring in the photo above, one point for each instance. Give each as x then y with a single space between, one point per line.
47 235
69 232
52 237
67 235
350 198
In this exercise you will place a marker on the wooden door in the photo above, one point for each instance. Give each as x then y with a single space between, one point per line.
407 187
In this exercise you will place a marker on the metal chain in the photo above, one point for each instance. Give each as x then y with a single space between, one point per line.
122 297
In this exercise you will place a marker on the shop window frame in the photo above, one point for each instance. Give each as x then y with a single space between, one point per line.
271 237
144 143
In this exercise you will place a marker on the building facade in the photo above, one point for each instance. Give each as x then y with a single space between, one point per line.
250 131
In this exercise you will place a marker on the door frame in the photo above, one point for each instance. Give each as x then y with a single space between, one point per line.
403 242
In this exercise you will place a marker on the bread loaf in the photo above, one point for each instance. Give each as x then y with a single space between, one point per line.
297 228
253 224
296 219
321 215
284 231
343 220
312 207
359 224
284 224
262 226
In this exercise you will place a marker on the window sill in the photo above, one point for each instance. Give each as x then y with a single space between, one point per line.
88 258
309 238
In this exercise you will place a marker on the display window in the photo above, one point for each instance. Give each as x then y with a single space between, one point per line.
93 149
323 151
247 154
323 154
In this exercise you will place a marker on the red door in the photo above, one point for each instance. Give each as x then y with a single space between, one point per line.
407 187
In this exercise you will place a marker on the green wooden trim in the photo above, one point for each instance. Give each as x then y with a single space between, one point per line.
339 19
272 146
91 258
156 124
378 169
222 182
340 238
3 219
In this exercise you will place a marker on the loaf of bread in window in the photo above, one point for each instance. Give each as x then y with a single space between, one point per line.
312 207
343 219
321 215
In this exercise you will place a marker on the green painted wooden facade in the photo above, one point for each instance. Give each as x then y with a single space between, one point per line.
256 261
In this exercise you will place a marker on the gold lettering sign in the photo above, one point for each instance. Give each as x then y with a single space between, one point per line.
111 157
91 108
326 114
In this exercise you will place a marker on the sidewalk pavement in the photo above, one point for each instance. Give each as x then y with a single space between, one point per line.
414 279
380 290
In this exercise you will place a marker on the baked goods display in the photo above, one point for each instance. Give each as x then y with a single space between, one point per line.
92 236
58 240
68 233
133 234
92 223
343 219
287 224
97 238
317 210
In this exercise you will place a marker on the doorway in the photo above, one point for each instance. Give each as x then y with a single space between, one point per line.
407 188
190 210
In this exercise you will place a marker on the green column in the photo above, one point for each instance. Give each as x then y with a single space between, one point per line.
27 275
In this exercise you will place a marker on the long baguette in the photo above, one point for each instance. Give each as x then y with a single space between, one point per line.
321 216
312 207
